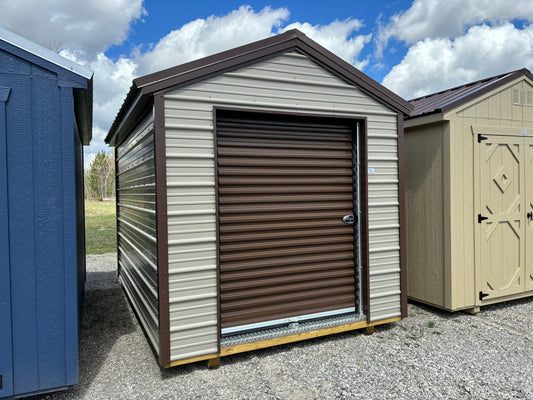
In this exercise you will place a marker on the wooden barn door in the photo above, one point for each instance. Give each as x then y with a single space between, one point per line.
503 215
284 185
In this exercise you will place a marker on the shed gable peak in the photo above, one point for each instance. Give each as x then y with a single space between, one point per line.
514 94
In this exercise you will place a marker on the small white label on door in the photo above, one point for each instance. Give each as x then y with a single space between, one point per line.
524 132
371 171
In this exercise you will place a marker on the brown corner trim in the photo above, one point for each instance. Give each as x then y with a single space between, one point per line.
162 229
217 222
403 232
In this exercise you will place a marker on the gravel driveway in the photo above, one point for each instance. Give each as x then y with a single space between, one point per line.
430 355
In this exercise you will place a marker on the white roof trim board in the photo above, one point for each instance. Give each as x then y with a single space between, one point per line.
44 53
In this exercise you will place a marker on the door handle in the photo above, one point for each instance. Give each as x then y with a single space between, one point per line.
530 215
348 219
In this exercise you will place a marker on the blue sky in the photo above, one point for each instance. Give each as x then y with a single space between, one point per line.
412 47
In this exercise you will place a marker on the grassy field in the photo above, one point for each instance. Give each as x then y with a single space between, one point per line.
100 227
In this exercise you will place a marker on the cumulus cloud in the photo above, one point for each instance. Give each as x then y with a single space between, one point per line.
83 27
450 18
431 65
112 80
214 34
203 37
85 30
338 37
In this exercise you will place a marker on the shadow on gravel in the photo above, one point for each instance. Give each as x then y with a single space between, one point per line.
454 314
107 317
507 304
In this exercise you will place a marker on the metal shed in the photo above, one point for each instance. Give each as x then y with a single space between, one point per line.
234 173
469 193
45 118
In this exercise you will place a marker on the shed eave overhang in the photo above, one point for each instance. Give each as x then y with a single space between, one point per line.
292 40
429 118
445 101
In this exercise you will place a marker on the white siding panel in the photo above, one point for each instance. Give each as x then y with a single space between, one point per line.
290 82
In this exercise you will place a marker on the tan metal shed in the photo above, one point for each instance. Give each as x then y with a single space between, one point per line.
469 193
234 173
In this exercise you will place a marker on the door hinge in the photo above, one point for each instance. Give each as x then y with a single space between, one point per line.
480 138
481 218
0 382
482 295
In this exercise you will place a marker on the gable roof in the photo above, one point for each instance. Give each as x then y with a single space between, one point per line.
292 40
450 99
69 73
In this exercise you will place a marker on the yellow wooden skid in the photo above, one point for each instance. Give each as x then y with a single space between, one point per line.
282 340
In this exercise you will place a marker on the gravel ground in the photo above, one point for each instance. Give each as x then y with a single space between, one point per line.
430 355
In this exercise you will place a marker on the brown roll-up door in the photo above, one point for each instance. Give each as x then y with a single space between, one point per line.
284 184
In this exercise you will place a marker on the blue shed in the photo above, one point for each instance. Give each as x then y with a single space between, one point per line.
45 119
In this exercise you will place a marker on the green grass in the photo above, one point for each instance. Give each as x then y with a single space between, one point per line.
100 227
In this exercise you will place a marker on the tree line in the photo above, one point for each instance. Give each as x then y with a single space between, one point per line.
100 177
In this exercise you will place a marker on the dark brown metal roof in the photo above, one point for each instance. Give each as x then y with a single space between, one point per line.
144 87
449 99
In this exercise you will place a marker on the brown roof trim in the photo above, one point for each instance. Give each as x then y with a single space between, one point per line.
449 99
251 53
292 40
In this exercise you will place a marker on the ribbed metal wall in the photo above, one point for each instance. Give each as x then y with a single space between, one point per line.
290 82
284 184
136 216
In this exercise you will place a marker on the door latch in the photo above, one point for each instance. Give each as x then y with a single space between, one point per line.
348 219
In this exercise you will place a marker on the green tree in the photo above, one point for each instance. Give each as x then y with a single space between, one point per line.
100 178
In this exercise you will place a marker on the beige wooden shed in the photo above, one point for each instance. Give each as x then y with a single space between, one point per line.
259 200
469 193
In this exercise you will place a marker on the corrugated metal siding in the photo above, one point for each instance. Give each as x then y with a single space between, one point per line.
136 216
290 82
383 218
284 184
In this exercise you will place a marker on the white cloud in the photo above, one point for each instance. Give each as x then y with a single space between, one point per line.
85 28
112 80
436 64
450 18
214 34
337 38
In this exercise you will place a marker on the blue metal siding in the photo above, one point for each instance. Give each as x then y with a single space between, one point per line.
41 214
6 357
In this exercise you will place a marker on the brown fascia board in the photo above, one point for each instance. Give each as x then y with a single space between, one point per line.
185 74
135 107
238 57
505 78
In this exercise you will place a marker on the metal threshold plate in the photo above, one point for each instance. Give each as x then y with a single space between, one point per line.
291 329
